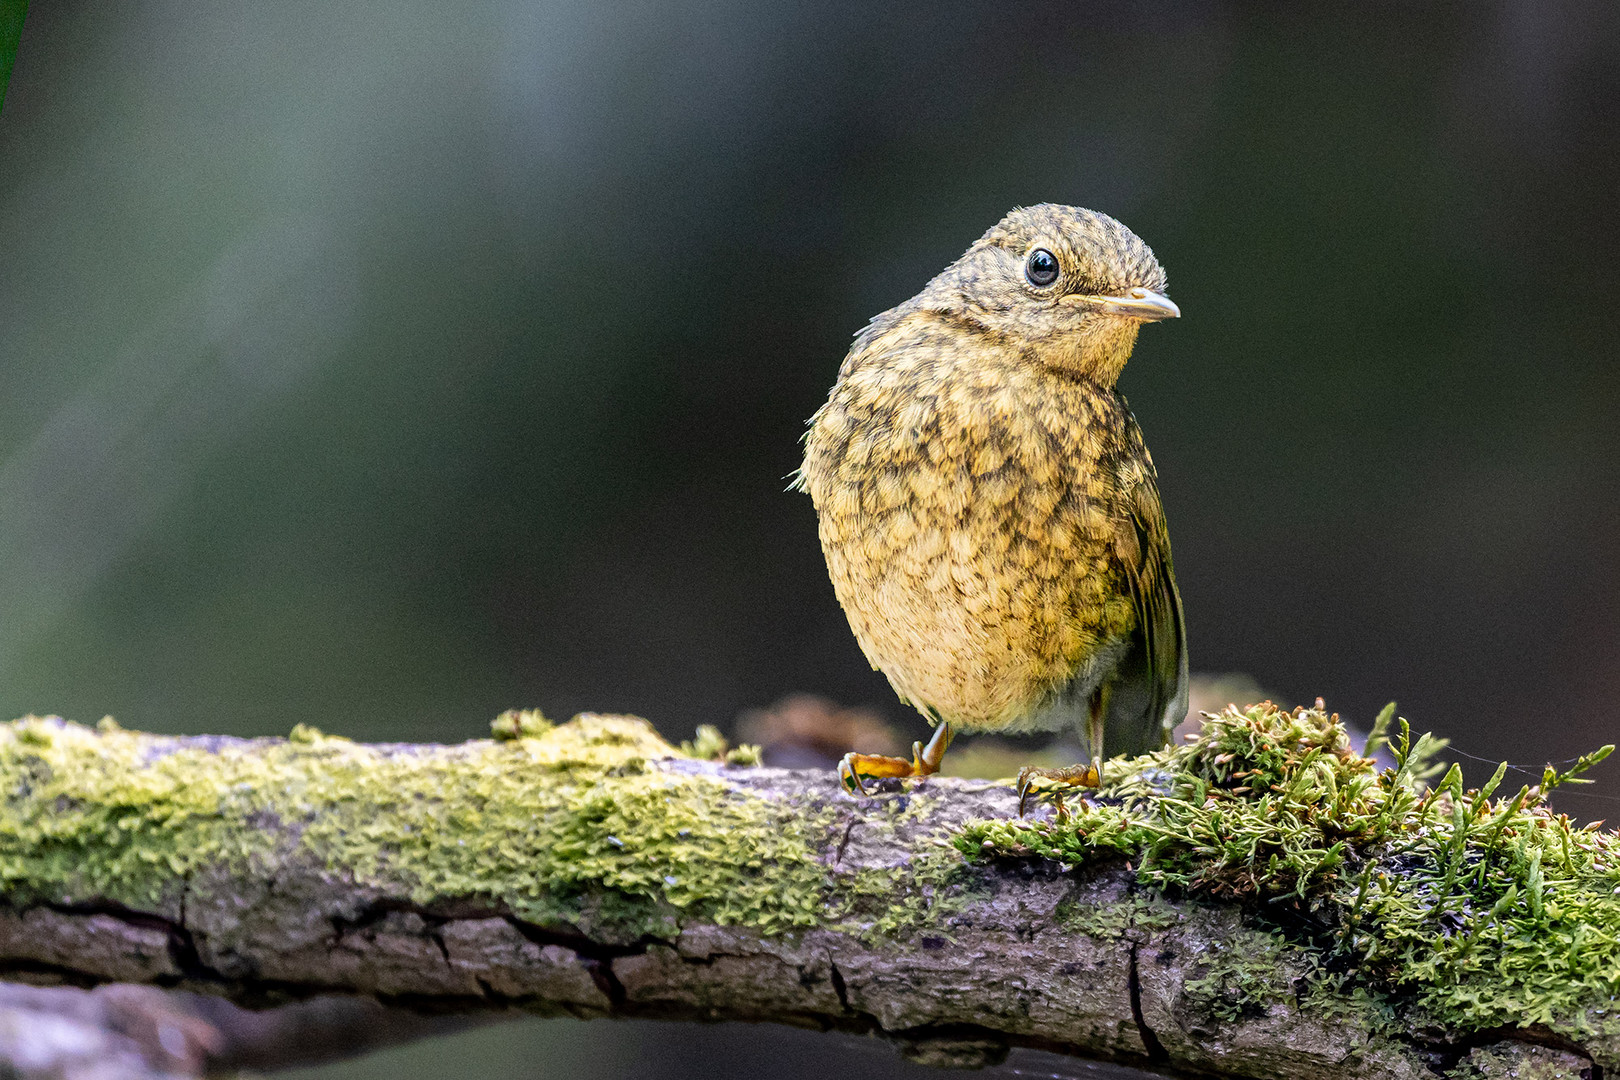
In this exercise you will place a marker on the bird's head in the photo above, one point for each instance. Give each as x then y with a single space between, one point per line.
1073 286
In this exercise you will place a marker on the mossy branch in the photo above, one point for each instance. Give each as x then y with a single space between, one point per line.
1262 902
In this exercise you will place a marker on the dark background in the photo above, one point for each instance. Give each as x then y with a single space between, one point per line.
385 365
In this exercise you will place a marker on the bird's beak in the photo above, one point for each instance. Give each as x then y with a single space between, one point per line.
1138 303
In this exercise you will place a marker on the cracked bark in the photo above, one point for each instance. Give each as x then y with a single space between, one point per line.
1150 1041
1008 962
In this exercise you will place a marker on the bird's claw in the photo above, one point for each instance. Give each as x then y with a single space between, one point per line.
849 777
924 762
854 769
1033 781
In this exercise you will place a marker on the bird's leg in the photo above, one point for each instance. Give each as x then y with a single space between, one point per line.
1096 723
1036 781
924 762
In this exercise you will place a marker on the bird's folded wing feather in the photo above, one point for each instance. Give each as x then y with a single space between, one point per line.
1161 668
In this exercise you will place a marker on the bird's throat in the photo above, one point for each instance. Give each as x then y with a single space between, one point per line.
1096 352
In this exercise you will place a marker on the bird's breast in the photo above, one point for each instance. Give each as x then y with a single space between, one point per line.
969 525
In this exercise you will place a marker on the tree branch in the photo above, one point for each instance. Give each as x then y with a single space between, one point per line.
592 870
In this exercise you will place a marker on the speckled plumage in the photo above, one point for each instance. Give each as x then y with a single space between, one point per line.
988 510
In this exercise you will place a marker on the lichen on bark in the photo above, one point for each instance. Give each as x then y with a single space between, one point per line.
530 823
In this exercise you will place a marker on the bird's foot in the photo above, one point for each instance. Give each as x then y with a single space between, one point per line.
924 762
855 769
1054 782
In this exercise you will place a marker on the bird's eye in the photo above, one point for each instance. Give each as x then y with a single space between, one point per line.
1041 268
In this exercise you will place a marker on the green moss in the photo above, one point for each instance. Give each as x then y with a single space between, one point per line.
709 745
559 823
706 744
1474 910
1258 970
1113 920
519 724
935 886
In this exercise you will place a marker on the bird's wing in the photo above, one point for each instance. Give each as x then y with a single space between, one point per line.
1150 695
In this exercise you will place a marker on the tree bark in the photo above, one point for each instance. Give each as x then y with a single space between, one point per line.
591 870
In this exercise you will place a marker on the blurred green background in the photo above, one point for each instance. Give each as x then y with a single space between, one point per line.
385 365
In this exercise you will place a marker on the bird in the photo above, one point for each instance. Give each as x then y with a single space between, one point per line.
988 510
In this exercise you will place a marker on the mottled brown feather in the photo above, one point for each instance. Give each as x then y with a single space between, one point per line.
988 510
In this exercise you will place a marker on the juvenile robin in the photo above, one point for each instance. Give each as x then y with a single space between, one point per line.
988 509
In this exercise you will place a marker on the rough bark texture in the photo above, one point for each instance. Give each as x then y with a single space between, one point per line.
590 870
